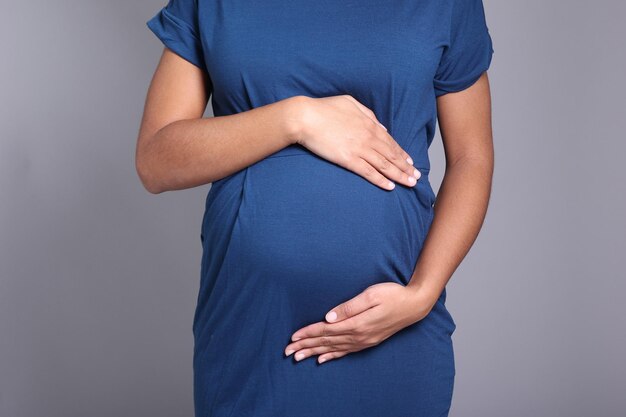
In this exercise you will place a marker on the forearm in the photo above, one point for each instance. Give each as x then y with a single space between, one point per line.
189 153
459 214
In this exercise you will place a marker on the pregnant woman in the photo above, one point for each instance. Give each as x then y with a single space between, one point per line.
325 256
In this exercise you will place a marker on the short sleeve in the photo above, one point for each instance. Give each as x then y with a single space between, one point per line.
176 25
469 50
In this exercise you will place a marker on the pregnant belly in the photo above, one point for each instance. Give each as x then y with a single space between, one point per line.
309 228
285 240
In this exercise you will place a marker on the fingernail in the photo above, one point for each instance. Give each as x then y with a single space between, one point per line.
322 360
289 352
382 125
391 185
332 316
294 338
299 356
412 180
409 160
417 174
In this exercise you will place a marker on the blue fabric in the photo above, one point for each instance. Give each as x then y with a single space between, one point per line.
177 27
289 237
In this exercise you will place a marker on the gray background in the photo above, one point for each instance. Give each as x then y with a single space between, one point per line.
98 278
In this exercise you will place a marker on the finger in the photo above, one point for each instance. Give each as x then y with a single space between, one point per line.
366 110
323 328
389 169
352 307
307 353
343 341
363 168
394 153
391 148
331 355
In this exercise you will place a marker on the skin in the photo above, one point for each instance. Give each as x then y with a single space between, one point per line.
177 148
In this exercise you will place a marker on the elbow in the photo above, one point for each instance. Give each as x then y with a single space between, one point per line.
148 178
148 182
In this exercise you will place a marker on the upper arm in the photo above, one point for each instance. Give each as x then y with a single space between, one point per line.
461 83
179 90
465 122
180 87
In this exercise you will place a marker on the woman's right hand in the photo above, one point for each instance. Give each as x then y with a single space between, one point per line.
345 132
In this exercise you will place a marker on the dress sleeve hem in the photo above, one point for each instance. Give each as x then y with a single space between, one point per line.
452 86
177 36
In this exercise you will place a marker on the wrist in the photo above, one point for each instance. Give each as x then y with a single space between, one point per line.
424 296
294 117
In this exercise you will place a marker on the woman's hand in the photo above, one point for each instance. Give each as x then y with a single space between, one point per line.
345 132
361 322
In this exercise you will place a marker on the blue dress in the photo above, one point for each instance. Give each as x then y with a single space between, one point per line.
293 235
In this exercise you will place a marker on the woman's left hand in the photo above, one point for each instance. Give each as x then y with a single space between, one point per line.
366 320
